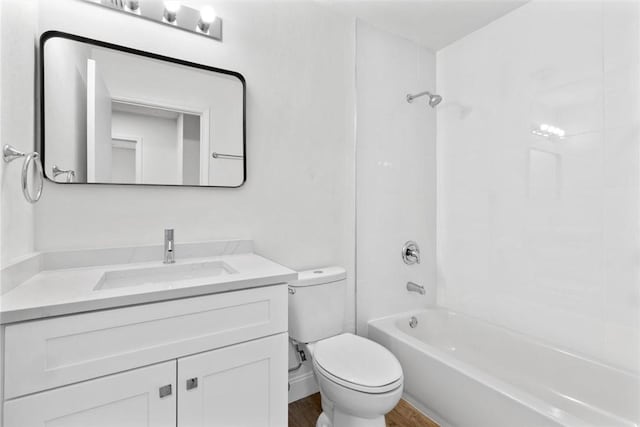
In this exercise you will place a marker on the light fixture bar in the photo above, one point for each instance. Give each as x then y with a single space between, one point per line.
170 13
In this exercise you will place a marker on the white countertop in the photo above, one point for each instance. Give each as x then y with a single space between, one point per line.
71 290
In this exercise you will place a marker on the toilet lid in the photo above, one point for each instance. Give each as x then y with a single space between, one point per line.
361 363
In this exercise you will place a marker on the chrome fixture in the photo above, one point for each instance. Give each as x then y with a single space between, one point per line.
413 322
169 247
11 153
226 156
433 98
165 391
411 253
414 287
70 174
192 383
173 13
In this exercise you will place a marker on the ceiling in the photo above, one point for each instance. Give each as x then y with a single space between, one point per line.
431 23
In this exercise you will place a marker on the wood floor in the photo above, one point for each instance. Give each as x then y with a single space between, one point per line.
305 412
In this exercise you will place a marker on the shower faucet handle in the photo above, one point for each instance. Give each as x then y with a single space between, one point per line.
411 253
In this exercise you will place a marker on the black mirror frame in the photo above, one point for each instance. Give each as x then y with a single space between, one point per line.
59 34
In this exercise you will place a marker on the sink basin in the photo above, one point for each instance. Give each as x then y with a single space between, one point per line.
162 274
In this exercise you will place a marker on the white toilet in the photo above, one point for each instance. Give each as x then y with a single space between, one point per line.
360 381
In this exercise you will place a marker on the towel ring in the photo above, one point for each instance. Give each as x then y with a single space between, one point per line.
10 154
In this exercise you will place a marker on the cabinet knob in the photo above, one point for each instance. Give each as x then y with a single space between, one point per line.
165 390
192 383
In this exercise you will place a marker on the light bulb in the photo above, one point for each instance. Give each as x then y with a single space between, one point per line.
170 14
207 17
172 6
207 14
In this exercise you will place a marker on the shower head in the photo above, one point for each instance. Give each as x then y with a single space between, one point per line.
433 98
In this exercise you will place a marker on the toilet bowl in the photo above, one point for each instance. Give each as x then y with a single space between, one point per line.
360 381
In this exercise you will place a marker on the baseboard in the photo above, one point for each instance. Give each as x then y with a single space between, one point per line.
302 385
425 411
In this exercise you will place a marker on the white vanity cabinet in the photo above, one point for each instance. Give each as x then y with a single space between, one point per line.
127 399
212 360
241 385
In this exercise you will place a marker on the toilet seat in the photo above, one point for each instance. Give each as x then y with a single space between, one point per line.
359 387
358 364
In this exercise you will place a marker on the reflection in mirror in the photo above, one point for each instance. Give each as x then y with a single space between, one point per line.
112 115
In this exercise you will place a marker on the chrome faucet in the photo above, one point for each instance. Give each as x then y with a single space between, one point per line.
411 253
414 287
169 247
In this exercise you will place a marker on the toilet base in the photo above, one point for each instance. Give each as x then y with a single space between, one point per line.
341 419
346 420
323 421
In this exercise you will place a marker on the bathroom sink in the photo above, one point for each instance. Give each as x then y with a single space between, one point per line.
162 274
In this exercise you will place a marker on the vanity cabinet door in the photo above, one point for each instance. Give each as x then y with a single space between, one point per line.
129 399
244 385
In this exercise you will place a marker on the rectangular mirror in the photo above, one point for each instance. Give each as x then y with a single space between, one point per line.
114 115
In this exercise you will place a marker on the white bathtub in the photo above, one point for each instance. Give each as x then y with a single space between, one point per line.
469 373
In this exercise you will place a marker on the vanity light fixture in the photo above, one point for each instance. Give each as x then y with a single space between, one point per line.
171 13
207 17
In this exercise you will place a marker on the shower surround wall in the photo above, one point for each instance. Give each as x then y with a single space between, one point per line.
396 177
541 235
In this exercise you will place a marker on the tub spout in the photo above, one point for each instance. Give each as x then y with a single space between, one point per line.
414 287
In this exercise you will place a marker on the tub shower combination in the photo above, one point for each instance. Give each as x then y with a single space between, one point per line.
466 372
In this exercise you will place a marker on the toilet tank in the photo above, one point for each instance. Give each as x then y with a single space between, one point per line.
316 304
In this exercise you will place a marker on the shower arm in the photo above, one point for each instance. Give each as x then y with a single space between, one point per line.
410 97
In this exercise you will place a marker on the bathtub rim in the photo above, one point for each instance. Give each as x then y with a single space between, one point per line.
531 339
387 325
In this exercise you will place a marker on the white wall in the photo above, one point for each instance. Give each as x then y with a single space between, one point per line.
542 236
159 144
1 144
17 30
396 173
